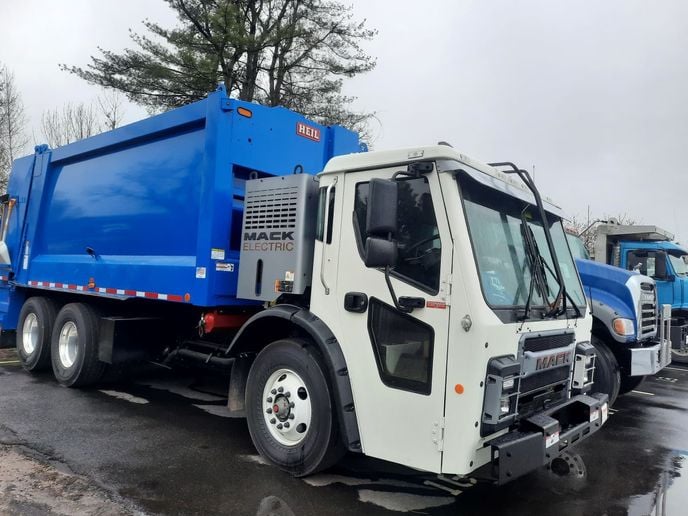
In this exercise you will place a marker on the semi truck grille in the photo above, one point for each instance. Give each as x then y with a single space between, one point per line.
546 363
540 380
648 310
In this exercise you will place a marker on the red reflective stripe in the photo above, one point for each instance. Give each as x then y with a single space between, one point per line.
108 290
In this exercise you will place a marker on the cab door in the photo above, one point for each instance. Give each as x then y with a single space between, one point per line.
397 358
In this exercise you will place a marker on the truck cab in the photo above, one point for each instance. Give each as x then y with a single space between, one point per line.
454 312
650 250
629 332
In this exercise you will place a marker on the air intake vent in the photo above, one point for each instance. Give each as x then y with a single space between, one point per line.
272 209
277 237
544 342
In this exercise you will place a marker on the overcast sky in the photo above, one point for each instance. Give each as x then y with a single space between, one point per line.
593 94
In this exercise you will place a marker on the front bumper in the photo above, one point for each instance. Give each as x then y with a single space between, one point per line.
546 435
650 359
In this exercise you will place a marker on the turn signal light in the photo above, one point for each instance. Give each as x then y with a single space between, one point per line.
623 326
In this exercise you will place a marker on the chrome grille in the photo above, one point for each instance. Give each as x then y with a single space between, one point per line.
648 311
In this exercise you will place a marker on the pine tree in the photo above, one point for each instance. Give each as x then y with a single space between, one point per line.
293 53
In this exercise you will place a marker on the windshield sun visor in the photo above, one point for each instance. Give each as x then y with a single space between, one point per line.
511 190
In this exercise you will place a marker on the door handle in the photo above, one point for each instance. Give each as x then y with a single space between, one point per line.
356 302
412 302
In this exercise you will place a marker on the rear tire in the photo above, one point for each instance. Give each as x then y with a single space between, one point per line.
34 329
628 383
607 374
74 346
289 408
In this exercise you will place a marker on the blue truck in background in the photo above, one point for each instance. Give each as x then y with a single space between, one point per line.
650 250
630 329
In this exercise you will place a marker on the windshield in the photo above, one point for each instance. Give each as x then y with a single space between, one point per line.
494 222
577 247
679 265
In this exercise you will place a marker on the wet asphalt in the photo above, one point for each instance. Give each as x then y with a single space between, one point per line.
162 443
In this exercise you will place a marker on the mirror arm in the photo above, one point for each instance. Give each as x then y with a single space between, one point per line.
399 307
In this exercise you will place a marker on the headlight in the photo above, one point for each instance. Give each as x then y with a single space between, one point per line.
505 405
623 327
501 394
584 368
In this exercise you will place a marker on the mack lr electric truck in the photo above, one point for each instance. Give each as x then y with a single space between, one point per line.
412 305
630 331
650 250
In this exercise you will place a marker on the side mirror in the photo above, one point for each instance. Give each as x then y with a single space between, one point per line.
661 272
380 252
381 219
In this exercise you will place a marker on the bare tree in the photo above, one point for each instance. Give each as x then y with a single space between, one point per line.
585 229
111 108
13 139
72 122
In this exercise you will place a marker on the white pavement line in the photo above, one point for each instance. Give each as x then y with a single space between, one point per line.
124 396
676 369
10 362
643 392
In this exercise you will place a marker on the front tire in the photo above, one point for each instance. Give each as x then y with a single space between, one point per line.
628 383
607 374
74 346
289 408
36 320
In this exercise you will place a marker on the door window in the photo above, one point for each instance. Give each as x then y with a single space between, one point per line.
643 262
323 204
403 348
420 248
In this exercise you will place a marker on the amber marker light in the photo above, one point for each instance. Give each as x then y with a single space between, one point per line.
458 388
187 297
245 112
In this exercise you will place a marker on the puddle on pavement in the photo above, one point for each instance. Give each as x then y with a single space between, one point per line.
670 496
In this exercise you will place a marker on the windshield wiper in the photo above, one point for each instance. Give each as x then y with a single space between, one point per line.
537 269
527 180
565 296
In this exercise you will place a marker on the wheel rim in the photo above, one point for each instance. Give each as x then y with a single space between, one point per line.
30 334
287 407
68 344
681 352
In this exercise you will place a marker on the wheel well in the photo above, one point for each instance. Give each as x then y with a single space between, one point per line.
283 321
619 350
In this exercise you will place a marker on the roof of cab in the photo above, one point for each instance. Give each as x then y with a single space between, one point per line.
398 157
